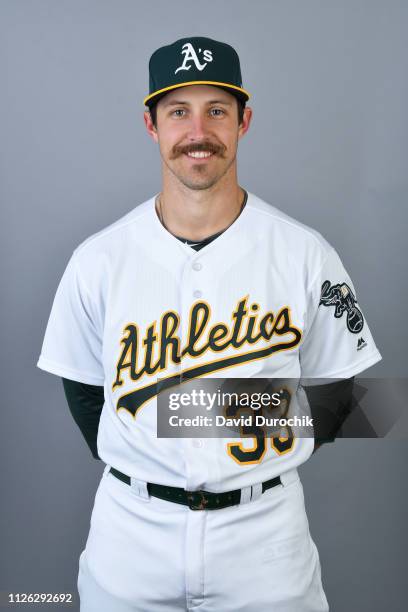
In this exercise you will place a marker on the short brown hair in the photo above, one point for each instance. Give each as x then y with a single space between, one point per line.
241 106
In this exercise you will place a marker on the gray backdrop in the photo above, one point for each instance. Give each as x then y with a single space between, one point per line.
328 145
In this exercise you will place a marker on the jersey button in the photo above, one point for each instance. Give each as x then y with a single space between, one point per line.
197 443
197 266
197 293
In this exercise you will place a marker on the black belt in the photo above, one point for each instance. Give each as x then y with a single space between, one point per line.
196 500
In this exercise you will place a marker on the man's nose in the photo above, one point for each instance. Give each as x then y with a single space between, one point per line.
197 128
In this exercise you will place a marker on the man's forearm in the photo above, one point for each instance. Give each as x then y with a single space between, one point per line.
330 405
85 403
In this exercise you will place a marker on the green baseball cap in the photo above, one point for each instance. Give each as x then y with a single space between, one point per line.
194 61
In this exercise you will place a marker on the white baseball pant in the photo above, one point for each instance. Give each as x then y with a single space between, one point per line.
144 554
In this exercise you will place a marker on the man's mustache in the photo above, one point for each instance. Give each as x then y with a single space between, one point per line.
210 147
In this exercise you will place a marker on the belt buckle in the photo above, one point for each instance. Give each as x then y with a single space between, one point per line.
195 504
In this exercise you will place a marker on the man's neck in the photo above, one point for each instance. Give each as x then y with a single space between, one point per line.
196 214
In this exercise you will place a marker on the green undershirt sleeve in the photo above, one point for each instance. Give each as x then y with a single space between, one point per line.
85 403
330 404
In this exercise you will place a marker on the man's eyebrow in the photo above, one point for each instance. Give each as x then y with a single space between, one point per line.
178 102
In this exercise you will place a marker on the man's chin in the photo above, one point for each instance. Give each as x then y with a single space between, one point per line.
198 183
199 186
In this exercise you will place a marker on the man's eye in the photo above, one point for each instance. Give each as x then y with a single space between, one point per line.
217 111
178 110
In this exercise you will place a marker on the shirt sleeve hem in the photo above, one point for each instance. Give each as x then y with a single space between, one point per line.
71 374
351 370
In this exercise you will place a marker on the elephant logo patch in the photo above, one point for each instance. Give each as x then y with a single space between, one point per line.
343 299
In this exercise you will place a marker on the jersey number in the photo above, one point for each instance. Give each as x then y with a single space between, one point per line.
281 444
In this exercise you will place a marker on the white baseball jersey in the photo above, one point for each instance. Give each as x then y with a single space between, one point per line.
268 298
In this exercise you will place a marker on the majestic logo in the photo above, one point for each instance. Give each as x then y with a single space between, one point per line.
342 298
152 354
191 56
361 344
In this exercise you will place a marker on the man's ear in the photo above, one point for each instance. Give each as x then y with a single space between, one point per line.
151 130
246 121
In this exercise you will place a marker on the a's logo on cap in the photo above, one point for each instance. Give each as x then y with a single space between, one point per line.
191 56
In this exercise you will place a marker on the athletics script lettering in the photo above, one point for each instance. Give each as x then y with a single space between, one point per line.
151 354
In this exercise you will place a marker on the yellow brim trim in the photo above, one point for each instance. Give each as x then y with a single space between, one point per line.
195 83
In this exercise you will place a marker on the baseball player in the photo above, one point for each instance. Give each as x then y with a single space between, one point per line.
204 279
